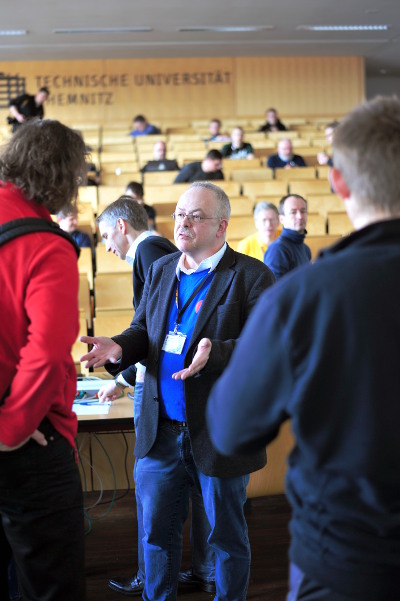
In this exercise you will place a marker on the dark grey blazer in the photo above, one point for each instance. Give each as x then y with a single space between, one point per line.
235 288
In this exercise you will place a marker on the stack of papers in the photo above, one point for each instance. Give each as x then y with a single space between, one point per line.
86 401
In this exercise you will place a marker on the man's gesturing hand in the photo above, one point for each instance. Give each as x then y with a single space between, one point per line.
104 351
199 361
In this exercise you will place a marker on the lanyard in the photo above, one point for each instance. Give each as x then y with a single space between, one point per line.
191 297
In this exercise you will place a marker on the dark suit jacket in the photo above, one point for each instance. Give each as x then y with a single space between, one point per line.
148 251
234 290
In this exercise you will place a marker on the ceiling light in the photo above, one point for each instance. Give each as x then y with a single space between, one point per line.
13 32
105 30
344 27
228 28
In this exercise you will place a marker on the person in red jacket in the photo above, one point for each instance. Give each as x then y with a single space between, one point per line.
41 506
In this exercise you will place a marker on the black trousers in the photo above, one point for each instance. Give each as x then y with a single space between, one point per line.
42 523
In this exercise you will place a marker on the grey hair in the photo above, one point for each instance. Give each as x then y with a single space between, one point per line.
366 151
128 209
224 206
265 206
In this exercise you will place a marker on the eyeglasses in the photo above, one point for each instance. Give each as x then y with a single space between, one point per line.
191 217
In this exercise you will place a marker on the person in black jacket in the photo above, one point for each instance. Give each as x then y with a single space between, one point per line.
208 169
26 106
123 227
273 123
322 349
238 148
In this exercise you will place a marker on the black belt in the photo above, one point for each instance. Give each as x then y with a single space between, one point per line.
175 423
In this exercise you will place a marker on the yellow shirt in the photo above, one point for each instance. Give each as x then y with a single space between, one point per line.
253 246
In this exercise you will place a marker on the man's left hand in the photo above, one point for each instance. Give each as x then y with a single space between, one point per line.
199 361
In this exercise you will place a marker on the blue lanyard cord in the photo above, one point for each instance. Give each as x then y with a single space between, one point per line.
191 297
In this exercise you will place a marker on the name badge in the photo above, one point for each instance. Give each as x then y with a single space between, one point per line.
174 343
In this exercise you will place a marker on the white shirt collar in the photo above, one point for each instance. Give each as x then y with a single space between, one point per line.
130 255
209 263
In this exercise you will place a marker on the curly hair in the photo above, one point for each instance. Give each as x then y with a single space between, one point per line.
47 161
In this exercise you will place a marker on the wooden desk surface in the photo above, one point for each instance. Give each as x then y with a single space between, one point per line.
120 417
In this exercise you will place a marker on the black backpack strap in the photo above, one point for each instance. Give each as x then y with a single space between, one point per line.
29 225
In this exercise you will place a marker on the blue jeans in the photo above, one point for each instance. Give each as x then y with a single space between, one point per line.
41 520
203 556
137 401
164 479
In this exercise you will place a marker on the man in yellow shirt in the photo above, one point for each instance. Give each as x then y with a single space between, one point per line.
266 219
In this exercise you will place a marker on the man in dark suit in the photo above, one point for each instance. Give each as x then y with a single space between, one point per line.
194 306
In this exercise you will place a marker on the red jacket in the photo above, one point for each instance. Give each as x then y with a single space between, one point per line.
39 322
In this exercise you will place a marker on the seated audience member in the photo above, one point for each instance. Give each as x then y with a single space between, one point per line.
135 191
285 158
215 132
289 250
160 162
266 219
273 123
208 169
238 149
322 157
68 221
93 174
142 128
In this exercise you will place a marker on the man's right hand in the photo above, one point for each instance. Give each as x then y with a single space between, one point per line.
109 392
104 351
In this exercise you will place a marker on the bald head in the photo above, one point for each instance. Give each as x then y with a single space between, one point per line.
159 151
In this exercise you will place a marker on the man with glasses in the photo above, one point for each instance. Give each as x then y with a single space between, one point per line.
193 309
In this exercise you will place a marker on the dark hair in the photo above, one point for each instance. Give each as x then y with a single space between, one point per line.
128 209
214 155
46 159
151 212
45 90
136 188
65 212
284 199
139 118
215 121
